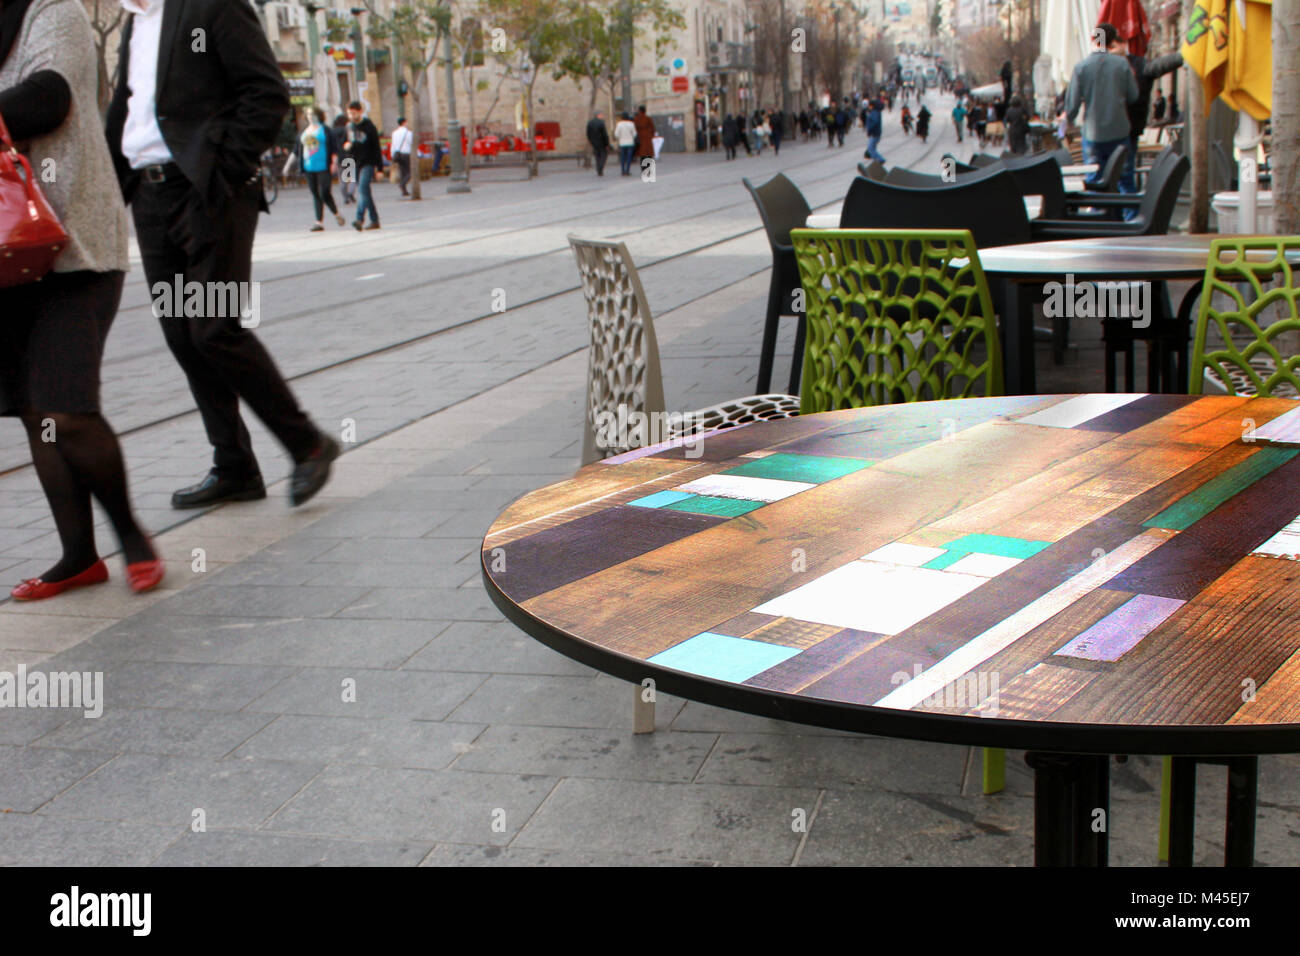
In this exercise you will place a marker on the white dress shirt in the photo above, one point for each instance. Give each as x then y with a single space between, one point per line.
142 139
401 140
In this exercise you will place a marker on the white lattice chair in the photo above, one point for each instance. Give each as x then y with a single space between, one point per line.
623 370
623 364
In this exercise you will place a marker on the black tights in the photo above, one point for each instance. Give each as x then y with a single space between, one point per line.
76 456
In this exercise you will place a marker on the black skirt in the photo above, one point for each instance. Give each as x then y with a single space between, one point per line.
52 337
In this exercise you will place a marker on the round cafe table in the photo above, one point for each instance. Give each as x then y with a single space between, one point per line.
1076 576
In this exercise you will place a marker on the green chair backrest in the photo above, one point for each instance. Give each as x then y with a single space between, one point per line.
894 315
1256 274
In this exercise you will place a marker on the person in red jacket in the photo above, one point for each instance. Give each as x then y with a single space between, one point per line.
645 134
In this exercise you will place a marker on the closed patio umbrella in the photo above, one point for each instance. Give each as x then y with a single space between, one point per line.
1129 17
1230 46
325 79
1067 36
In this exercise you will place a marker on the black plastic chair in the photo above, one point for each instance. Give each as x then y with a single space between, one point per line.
991 207
1108 178
873 170
1155 206
1040 175
980 160
782 207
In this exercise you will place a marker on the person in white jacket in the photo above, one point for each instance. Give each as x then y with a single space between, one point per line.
625 137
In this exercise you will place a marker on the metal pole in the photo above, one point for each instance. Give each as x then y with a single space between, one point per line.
785 68
459 175
625 56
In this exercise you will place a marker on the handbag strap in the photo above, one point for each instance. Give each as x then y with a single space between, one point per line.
5 141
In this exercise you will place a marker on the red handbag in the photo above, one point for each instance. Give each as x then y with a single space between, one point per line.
31 236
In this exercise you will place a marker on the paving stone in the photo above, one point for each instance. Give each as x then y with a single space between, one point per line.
749 825
499 648
423 744
545 701
457 854
613 754
165 789
178 732
419 695
372 803
259 848
38 840
30 777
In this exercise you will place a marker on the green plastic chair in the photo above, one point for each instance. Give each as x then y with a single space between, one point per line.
894 315
1255 276
897 315
1247 360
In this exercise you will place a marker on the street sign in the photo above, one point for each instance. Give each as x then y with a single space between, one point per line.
681 84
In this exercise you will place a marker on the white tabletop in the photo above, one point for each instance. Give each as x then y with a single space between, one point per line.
1080 169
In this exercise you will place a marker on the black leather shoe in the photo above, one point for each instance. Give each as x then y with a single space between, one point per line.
310 476
214 489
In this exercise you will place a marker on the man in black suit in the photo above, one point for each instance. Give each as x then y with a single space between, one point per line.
198 99
598 137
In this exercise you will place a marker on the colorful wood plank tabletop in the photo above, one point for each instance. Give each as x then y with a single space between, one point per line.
1090 573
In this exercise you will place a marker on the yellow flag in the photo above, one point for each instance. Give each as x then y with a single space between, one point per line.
1229 44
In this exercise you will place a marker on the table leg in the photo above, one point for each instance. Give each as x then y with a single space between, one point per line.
1071 808
1014 305
1239 837
643 712
1182 810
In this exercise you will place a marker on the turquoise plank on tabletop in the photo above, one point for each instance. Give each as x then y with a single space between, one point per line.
945 559
1000 545
661 499
814 469
732 659
710 505
1192 507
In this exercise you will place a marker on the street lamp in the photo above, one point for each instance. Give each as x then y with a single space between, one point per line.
359 39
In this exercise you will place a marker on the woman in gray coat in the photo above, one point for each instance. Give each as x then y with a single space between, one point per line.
52 332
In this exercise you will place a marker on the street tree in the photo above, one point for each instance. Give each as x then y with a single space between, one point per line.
412 31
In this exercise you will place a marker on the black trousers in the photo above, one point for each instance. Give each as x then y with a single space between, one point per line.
403 161
223 361
601 155
321 194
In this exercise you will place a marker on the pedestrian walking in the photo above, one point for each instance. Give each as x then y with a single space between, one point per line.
185 129
730 134
905 117
923 122
959 120
828 118
625 137
1017 124
1147 72
400 144
348 181
842 119
53 332
598 137
743 134
318 157
1103 85
645 135
362 147
776 122
874 126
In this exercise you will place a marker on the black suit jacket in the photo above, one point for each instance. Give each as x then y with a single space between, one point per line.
221 99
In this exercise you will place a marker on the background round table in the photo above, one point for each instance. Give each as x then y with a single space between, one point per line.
1092 574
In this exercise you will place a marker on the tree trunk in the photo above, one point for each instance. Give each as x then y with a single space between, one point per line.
414 121
1285 154
530 126
1198 146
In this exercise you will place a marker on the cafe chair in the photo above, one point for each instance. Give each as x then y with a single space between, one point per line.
897 315
1236 351
623 364
782 207
873 170
1155 207
1108 176
981 160
990 206
624 377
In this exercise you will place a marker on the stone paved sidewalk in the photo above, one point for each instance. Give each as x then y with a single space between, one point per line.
467 742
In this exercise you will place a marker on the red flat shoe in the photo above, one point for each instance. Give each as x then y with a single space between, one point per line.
34 589
145 575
